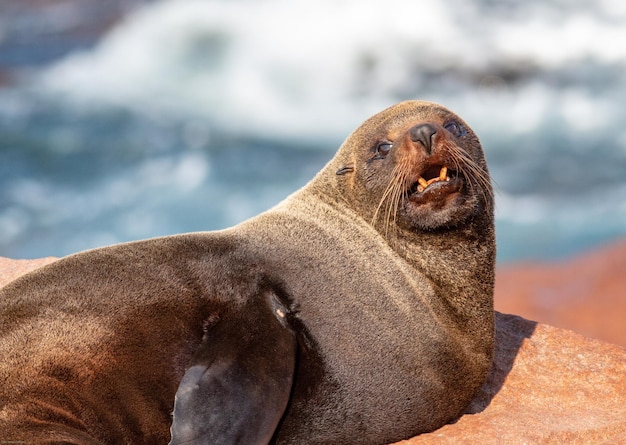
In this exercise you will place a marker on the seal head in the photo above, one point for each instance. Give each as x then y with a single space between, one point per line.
422 164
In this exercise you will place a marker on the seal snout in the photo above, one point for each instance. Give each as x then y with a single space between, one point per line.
425 139
423 133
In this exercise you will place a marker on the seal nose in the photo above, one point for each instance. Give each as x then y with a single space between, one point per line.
423 133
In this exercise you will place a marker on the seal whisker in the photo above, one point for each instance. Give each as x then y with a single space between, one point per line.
476 176
393 195
392 208
382 200
403 183
389 191
400 193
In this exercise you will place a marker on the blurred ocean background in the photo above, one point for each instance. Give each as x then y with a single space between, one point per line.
122 120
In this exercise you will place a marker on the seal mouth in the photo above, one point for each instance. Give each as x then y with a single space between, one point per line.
434 177
431 175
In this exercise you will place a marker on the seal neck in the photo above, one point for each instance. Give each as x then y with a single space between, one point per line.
428 251
458 261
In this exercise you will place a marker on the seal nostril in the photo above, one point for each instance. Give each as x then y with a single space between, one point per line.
423 134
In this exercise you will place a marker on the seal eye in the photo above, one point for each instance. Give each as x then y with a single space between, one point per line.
383 148
455 128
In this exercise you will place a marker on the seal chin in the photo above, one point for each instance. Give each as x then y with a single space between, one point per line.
436 202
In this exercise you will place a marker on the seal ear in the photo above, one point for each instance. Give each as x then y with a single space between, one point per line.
239 382
345 169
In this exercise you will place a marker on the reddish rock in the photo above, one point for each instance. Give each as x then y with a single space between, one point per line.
586 294
11 269
547 386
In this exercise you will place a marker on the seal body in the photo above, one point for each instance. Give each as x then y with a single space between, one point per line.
359 309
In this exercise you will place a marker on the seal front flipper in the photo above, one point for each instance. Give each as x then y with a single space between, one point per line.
239 381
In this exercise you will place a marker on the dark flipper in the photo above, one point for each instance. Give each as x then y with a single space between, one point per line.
238 385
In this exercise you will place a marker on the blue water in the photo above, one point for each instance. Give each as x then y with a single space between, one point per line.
195 114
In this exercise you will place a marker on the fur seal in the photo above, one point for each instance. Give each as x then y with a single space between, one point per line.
360 309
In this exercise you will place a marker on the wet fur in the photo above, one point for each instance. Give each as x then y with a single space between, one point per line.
392 326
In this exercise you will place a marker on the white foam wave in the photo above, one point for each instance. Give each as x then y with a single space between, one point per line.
278 68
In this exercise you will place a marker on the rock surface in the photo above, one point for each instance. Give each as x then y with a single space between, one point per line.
12 269
547 385
586 294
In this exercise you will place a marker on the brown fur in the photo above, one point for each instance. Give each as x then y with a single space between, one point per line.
389 298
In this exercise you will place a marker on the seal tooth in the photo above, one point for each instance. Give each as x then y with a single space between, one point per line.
422 183
443 173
